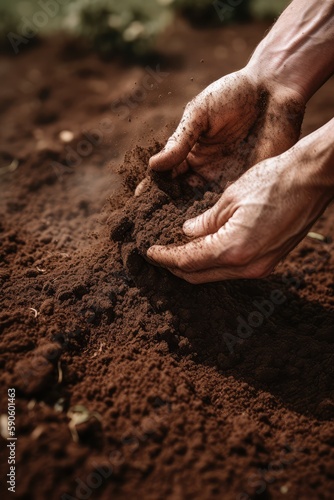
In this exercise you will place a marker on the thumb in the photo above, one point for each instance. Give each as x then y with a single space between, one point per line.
210 221
182 141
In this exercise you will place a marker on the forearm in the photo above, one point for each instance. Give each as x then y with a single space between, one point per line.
298 52
317 156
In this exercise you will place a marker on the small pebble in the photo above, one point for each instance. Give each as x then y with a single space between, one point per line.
66 136
142 186
316 236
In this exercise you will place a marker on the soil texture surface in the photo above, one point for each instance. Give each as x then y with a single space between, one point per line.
129 382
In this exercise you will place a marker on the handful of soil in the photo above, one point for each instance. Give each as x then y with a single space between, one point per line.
154 213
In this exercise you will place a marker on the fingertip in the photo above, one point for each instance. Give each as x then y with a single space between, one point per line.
153 162
194 227
148 257
150 252
189 227
153 252
161 161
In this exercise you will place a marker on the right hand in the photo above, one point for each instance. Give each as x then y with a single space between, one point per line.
258 219
233 124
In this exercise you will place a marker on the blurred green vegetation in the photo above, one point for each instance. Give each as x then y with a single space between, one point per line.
127 26
213 12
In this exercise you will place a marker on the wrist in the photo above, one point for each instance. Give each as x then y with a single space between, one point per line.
269 75
284 102
268 78
297 53
316 156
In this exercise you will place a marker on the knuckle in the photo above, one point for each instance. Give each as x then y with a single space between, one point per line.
232 191
173 139
189 108
228 194
208 219
189 105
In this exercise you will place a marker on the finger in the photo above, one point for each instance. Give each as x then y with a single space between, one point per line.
181 142
202 253
210 221
210 275
180 169
257 269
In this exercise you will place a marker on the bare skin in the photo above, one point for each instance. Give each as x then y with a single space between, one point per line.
250 230
239 117
238 126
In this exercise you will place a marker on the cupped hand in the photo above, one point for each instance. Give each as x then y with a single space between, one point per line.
255 223
232 125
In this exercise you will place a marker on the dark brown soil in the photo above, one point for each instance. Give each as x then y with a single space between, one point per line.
220 391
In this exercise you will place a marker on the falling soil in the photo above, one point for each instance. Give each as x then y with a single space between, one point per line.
131 383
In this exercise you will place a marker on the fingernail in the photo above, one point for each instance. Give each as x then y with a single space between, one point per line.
189 226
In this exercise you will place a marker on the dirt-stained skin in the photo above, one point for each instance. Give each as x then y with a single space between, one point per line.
229 127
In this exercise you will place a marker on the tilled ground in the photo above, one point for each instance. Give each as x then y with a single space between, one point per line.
131 383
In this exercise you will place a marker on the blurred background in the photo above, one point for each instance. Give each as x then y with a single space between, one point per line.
130 26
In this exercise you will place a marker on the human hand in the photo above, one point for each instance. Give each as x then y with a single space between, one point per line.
259 218
233 124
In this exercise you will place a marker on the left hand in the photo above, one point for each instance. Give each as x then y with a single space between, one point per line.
233 124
